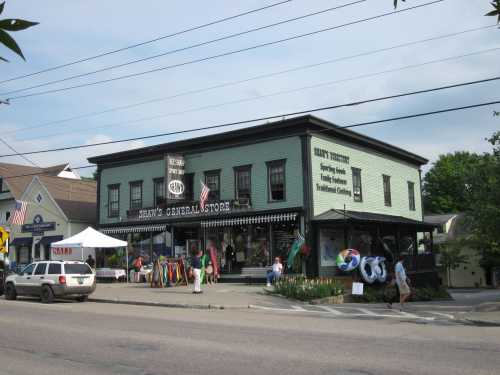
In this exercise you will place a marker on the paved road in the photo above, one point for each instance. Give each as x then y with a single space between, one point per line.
102 339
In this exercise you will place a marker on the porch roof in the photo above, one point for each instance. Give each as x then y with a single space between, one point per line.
339 216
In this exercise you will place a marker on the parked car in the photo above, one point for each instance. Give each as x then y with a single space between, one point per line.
52 279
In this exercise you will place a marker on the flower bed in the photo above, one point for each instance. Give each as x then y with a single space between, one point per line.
304 289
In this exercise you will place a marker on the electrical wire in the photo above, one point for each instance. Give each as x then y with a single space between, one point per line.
391 119
147 41
267 118
234 83
177 50
212 57
245 100
17 153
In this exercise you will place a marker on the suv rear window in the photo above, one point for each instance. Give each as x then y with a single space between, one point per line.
77 269
54 269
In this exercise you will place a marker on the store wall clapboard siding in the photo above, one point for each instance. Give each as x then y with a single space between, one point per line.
224 159
373 165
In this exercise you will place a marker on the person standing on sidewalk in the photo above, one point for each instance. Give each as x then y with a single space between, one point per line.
402 281
197 272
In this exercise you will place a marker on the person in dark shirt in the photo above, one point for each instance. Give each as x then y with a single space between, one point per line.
90 261
196 264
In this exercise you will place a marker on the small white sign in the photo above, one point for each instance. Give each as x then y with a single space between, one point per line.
357 289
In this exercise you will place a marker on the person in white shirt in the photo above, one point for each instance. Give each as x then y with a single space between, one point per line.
402 281
275 274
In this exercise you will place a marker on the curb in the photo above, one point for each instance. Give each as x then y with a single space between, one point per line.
160 304
482 323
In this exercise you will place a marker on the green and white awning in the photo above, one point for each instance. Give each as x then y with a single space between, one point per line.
135 229
258 219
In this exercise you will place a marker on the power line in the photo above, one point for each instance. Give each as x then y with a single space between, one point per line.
233 83
266 118
212 57
148 41
17 153
174 51
278 93
391 119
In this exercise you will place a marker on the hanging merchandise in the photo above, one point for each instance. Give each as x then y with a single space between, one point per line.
373 269
157 275
297 244
348 260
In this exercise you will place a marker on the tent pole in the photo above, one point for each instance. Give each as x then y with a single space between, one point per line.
126 255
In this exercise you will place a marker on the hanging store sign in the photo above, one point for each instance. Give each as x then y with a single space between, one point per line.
38 226
178 211
175 170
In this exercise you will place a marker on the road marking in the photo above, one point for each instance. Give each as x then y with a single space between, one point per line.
366 312
329 309
298 308
408 315
449 316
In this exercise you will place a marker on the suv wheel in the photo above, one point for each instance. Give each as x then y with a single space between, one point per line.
82 298
10 292
47 295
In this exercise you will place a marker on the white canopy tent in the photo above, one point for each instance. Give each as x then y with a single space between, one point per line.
90 238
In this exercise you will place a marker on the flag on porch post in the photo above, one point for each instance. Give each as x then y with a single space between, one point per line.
19 213
203 195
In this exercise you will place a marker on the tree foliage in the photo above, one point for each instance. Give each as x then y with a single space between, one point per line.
446 185
484 210
494 13
12 25
452 257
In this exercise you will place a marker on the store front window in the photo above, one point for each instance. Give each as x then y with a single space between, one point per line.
362 240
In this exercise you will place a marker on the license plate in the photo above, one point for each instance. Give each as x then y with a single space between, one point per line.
80 281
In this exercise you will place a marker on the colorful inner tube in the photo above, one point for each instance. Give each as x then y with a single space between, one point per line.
348 259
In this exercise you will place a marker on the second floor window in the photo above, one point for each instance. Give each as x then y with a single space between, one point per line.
411 195
113 200
242 180
276 180
212 180
159 192
387 190
356 185
135 195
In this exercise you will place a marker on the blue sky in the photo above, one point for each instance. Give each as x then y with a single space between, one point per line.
70 30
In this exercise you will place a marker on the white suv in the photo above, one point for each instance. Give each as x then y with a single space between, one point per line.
51 279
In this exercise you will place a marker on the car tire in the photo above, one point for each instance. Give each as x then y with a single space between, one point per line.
47 295
10 292
82 298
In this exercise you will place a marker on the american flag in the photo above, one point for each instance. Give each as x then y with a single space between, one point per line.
203 195
19 213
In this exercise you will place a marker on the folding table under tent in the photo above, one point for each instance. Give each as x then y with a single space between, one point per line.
90 238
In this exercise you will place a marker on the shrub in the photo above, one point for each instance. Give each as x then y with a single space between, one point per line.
304 289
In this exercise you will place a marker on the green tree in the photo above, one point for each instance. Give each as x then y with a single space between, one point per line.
494 13
452 257
12 25
483 214
446 185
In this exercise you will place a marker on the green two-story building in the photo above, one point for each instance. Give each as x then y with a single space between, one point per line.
337 188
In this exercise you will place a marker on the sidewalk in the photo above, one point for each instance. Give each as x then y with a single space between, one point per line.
217 296
485 314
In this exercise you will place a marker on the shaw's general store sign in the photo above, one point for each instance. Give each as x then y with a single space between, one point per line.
181 211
